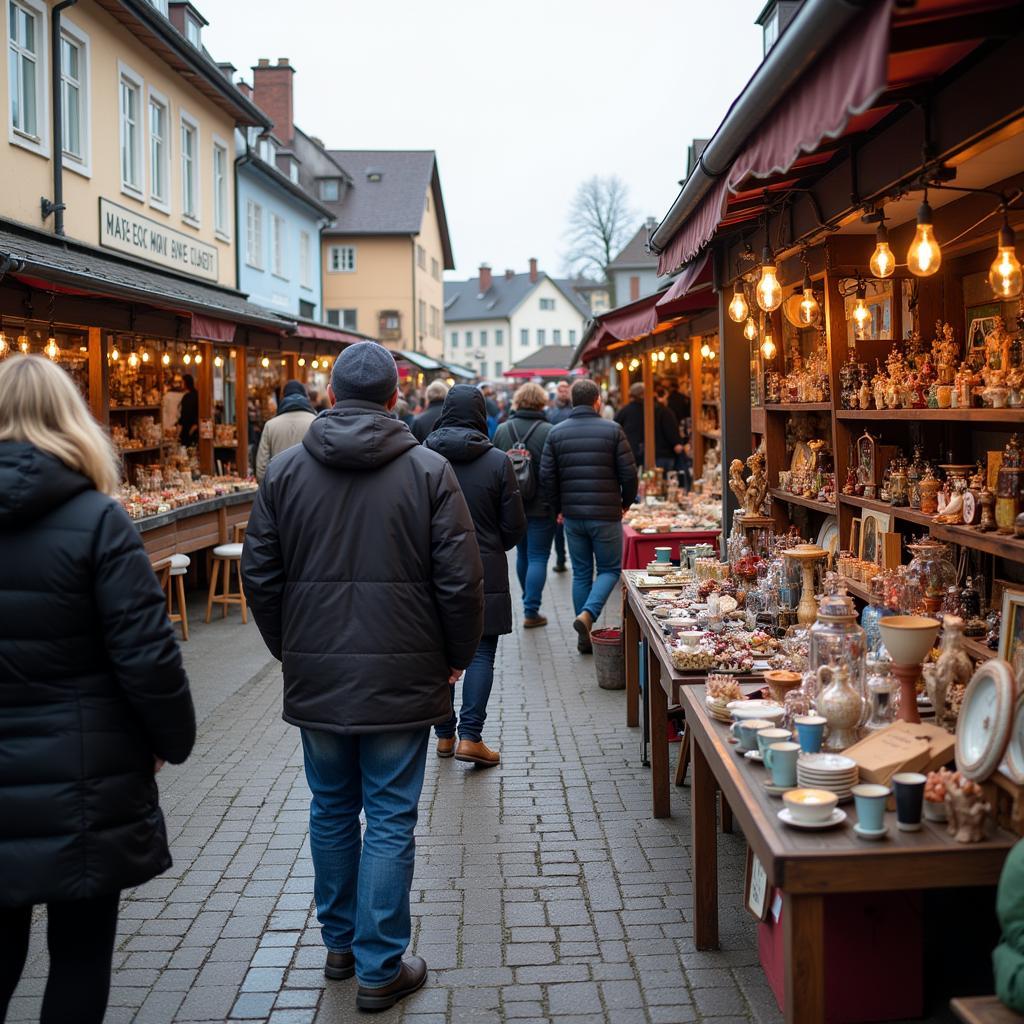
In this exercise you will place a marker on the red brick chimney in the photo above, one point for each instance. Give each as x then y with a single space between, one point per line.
485 278
509 274
533 270
273 89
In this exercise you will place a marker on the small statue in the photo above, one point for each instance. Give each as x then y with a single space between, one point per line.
952 667
966 809
756 486
736 482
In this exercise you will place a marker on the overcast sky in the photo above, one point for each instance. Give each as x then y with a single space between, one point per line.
521 100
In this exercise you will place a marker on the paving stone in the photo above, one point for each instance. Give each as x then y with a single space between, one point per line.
253 1005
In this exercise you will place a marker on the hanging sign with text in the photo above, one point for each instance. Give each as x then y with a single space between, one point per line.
129 232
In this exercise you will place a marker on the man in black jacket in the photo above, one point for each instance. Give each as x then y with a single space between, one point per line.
362 571
427 420
589 477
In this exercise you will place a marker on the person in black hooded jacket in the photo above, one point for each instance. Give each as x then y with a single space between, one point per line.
492 492
93 696
363 574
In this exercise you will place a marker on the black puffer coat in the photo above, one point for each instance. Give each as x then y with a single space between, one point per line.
363 574
588 470
91 688
423 424
492 492
523 424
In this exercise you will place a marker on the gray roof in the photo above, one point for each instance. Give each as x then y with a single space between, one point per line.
569 288
634 254
463 301
551 357
394 205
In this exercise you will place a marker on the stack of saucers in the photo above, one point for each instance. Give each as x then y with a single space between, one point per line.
831 772
717 709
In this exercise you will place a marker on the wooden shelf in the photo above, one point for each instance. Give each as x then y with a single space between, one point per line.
993 543
798 406
135 408
977 649
138 451
908 515
798 499
941 415
859 590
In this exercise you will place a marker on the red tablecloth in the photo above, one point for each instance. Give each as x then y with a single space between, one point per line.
638 548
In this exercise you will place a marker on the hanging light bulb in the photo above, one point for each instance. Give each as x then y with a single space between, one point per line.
618 366
23 344
750 329
218 362
144 356
233 353
1004 275
114 354
133 359
4 344
861 313
768 345
674 357
51 349
315 364
882 262
302 360
738 308
705 350
265 362
686 356
187 358
198 358
769 291
924 257
166 359
809 311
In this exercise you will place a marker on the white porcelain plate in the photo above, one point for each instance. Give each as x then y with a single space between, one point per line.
836 818
986 718
827 764
1013 765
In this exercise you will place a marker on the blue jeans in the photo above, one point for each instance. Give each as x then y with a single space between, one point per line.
559 543
362 886
593 542
476 691
532 554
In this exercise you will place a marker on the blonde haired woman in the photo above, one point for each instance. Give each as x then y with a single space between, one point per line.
93 696
528 426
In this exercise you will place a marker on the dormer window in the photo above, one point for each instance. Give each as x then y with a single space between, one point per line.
267 151
293 171
193 31
160 5
330 189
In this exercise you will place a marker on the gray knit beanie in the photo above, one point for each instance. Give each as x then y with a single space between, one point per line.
365 371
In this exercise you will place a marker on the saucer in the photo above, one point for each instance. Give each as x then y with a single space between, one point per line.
754 755
776 790
837 818
865 833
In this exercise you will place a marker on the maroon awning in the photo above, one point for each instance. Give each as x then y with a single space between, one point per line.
690 291
843 83
324 332
209 328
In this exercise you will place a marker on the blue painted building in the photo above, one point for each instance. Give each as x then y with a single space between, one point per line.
279 227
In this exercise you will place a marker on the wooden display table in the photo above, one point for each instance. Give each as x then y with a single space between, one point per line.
204 524
638 548
807 866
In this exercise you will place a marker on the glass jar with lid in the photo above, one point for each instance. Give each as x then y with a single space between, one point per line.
931 568
836 639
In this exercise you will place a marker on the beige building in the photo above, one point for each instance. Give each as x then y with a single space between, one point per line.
148 132
384 257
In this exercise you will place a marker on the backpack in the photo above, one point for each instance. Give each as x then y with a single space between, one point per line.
522 462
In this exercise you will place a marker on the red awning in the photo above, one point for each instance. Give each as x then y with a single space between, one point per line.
552 372
843 83
689 292
208 328
317 332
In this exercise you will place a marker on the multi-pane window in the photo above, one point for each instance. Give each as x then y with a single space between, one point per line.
341 259
131 133
556 337
189 168
423 316
469 339
344 318
435 322
524 336
193 32
499 337
572 337
254 234
159 151
498 367
277 244
483 338
483 367
305 260
72 85
435 269
220 188
547 303
455 339
541 336
421 257
24 73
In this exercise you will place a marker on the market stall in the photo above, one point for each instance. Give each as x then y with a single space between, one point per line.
662 528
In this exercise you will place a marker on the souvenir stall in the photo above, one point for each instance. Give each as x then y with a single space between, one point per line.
863 223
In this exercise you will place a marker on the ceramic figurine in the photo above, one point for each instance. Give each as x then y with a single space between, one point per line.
966 809
736 482
952 667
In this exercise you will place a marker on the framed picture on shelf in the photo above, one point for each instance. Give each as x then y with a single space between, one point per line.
854 547
873 526
1011 631
981 322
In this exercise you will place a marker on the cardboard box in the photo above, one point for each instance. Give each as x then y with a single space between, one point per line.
902 747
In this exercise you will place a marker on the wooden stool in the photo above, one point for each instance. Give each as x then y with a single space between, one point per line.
171 572
226 557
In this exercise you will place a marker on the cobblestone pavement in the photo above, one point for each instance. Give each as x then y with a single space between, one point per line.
544 891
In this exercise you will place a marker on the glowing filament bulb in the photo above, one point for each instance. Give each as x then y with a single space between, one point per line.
302 360
51 349
187 358
198 357
738 308
861 313
218 362
144 356
133 360
674 358
1005 274
166 359
4 344
686 356
265 362
315 364
809 310
114 354
769 291
750 329
924 256
618 366
768 346
882 262
705 350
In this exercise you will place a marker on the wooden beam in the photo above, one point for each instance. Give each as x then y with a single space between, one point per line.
205 386
242 409
648 378
696 412
99 390
734 389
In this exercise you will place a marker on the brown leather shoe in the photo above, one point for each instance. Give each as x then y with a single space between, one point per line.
477 753
582 624
339 966
534 621
411 977
445 746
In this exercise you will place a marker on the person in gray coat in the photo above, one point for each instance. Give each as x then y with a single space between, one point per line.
287 428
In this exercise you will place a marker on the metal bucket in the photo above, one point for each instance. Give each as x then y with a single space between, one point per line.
608 658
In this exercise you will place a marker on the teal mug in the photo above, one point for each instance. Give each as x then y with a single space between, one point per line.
766 737
870 800
810 731
780 759
663 554
746 730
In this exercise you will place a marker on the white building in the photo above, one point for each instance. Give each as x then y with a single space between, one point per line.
493 321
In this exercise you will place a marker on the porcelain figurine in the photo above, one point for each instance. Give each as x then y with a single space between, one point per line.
966 809
953 667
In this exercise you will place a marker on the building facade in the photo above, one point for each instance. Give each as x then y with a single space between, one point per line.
492 322
633 274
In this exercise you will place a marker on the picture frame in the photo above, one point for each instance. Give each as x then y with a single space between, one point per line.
999 587
980 323
1011 631
873 526
756 889
854 537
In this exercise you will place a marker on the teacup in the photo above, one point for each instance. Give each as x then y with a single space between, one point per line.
746 731
870 800
810 806
810 730
780 760
766 737
909 788
663 554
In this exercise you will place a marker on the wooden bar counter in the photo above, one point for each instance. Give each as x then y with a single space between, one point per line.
195 527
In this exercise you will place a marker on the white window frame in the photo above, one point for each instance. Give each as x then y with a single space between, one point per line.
154 96
499 337
524 337
40 142
556 336
128 188
322 185
278 252
547 304
160 5
253 250
453 341
80 164
338 269
305 261
191 25
194 216
542 337
221 202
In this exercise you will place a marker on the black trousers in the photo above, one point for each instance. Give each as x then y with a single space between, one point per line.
80 937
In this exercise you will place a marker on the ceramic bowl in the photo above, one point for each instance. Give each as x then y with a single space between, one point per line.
908 638
810 805
756 709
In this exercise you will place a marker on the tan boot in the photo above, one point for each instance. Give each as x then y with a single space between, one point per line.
583 624
445 746
534 622
477 753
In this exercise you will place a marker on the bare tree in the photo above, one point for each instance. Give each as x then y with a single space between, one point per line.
600 223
